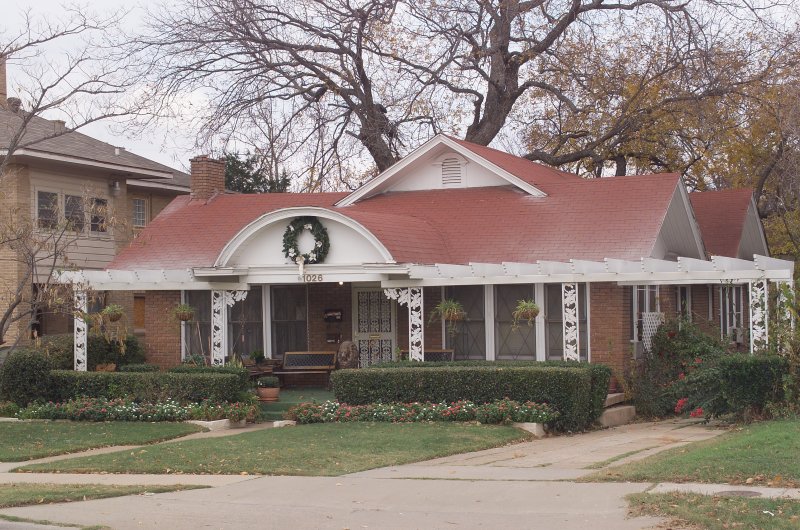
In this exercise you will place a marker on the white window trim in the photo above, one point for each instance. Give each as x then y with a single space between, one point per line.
146 212
635 313
59 204
689 310
738 309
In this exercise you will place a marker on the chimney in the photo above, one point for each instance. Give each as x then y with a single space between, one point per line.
208 177
3 83
59 126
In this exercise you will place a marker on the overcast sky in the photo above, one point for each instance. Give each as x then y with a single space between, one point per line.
175 150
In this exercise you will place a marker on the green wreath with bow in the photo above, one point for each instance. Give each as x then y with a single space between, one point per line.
322 243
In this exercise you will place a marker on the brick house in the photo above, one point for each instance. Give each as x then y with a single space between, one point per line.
53 175
605 259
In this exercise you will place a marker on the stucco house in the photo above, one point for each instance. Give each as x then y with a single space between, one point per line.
606 260
52 175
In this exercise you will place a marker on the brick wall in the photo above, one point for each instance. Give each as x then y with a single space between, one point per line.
14 206
433 331
610 326
163 339
322 296
208 177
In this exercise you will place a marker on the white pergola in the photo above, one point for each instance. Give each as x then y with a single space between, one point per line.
404 283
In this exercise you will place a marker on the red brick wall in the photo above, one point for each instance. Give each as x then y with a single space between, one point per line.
163 337
322 296
610 327
433 331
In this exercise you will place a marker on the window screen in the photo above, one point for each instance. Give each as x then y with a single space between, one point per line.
289 319
510 343
468 338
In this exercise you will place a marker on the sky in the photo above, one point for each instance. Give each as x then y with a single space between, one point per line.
173 149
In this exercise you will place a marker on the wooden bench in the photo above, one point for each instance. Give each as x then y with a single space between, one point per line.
434 355
306 363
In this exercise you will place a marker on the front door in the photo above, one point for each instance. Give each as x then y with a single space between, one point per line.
374 326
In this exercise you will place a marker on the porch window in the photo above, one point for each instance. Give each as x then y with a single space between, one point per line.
644 300
554 322
469 339
245 329
512 343
732 315
289 319
684 299
197 332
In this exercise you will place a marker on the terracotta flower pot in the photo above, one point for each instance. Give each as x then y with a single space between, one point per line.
184 316
114 317
268 394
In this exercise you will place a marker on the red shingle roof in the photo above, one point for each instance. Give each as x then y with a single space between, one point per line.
721 216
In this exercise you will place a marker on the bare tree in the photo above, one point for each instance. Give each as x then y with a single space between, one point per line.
65 79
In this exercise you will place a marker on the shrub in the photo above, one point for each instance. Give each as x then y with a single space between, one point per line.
568 389
734 384
60 348
145 386
142 367
242 373
504 411
8 409
268 381
25 377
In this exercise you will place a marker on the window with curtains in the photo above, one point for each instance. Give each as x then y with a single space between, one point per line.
246 325
469 337
197 332
512 343
289 319
554 322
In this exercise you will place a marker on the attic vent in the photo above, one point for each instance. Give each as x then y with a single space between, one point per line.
451 173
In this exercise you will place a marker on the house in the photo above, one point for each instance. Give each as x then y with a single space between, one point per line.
56 175
605 259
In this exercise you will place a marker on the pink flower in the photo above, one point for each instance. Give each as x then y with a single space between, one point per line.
696 413
681 375
680 405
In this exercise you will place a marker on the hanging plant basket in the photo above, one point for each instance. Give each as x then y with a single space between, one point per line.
527 311
183 312
450 312
113 312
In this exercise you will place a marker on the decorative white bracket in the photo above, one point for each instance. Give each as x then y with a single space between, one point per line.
571 331
758 315
412 297
81 330
220 302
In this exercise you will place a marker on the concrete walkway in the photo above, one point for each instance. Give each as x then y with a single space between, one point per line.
519 486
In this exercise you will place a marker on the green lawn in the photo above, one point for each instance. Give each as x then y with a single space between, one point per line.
718 513
322 449
27 440
766 452
26 494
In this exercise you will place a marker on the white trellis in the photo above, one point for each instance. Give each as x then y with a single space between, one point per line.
758 315
220 302
81 330
412 297
570 321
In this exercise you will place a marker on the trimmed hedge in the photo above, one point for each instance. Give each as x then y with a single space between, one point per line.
141 367
600 373
147 387
24 376
242 373
99 351
567 388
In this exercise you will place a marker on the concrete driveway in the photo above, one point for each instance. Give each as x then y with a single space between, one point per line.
520 486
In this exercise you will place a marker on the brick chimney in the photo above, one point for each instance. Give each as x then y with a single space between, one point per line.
208 177
3 87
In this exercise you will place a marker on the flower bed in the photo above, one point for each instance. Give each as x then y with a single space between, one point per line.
502 411
101 409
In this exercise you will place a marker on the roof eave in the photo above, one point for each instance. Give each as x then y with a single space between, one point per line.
84 162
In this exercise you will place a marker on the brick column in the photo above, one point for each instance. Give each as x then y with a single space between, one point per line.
163 332
208 177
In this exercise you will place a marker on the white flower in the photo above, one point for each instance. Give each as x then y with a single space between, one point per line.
292 253
312 257
291 228
307 226
318 244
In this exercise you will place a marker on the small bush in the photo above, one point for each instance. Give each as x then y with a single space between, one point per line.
145 387
60 349
25 377
143 367
8 409
242 373
567 389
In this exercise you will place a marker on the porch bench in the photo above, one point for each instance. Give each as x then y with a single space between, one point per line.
297 363
434 355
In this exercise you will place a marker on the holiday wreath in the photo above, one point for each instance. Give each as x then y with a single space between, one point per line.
321 242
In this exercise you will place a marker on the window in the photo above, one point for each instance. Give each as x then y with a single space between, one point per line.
732 314
554 322
644 300
468 339
139 213
197 332
512 343
684 299
289 319
73 212
245 325
47 209
99 213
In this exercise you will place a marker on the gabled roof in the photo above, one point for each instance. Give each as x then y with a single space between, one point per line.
583 219
42 139
723 219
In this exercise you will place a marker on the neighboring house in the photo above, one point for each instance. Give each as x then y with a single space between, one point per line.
54 174
605 259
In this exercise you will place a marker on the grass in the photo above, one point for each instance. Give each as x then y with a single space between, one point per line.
38 439
14 519
765 452
312 450
718 513
26 494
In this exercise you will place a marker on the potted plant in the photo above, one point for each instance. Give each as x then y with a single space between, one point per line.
268 387
113 312
183 312
449 311
257 356
526 310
